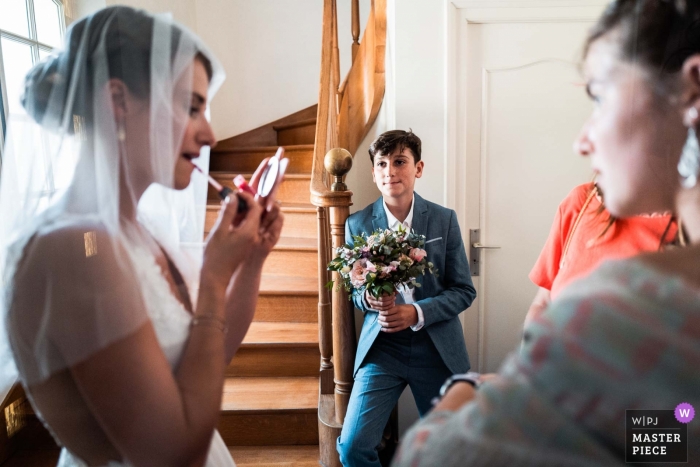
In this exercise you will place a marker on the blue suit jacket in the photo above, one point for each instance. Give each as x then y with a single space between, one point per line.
443 298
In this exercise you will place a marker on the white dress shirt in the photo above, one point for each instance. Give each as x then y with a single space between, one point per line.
405 292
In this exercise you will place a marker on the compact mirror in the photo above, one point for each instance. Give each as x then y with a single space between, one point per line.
269 177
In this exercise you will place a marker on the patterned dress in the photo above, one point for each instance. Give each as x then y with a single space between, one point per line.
625 337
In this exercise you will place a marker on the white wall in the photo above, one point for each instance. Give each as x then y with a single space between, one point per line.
85 7
183 11
420 86
270 49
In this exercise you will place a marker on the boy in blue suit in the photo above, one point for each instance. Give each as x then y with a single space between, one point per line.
413 337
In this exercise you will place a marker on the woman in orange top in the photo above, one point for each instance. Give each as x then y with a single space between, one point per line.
583 235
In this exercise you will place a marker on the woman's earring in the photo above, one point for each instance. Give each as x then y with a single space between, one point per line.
121 133
689 164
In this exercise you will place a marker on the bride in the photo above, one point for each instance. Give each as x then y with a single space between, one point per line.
121 353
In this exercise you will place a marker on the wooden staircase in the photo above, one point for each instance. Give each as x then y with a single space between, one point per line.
269 413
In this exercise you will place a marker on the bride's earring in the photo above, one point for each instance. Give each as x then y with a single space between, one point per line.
689 164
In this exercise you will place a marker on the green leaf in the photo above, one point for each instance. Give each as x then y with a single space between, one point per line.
329 285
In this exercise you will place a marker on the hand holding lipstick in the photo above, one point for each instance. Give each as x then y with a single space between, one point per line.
232 240
265 181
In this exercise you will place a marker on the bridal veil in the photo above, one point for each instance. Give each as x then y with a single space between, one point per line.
65 168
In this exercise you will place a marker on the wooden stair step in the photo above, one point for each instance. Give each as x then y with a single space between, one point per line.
271 361
273 284
294 256
299 219
266 135
292 261
297 243
307 208
246 160
294 187
277 394
275 456
281 334
277 349
297 124
275 362
287 307
300 132
269 411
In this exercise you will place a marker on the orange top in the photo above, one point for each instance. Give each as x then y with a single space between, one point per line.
625 238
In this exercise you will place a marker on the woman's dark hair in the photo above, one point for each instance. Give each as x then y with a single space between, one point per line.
658 34
389 141
127 36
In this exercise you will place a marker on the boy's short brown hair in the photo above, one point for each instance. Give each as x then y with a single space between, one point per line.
389 141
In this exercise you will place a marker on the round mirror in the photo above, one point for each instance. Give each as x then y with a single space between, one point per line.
268 177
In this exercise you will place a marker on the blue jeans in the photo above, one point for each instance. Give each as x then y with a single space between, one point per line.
394 361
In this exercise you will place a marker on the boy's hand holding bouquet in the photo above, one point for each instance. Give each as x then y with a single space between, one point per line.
379 263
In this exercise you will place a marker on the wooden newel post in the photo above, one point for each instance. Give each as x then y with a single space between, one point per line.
338 163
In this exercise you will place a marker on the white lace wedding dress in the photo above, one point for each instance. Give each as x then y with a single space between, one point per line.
171 322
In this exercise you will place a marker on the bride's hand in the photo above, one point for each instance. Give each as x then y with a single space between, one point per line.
232 239
270 230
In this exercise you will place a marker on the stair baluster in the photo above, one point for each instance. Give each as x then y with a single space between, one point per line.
355 27
325 331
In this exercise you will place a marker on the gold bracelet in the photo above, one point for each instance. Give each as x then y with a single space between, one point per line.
210 320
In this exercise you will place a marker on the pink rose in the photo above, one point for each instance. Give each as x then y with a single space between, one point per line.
417 254
358 273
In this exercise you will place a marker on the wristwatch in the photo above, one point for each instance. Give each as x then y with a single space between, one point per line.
471 377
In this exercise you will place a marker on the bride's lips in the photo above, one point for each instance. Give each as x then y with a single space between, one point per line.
189 157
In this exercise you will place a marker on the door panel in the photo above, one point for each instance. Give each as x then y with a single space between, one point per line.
525 106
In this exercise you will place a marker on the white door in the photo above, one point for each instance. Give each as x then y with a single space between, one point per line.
525 104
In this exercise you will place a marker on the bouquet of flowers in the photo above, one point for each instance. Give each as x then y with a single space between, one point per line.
380 262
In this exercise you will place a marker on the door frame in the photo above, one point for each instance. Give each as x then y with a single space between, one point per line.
462 189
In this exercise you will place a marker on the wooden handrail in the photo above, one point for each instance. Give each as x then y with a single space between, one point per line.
362 91
366 82
345 114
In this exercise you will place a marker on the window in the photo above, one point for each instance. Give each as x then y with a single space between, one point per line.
29 29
